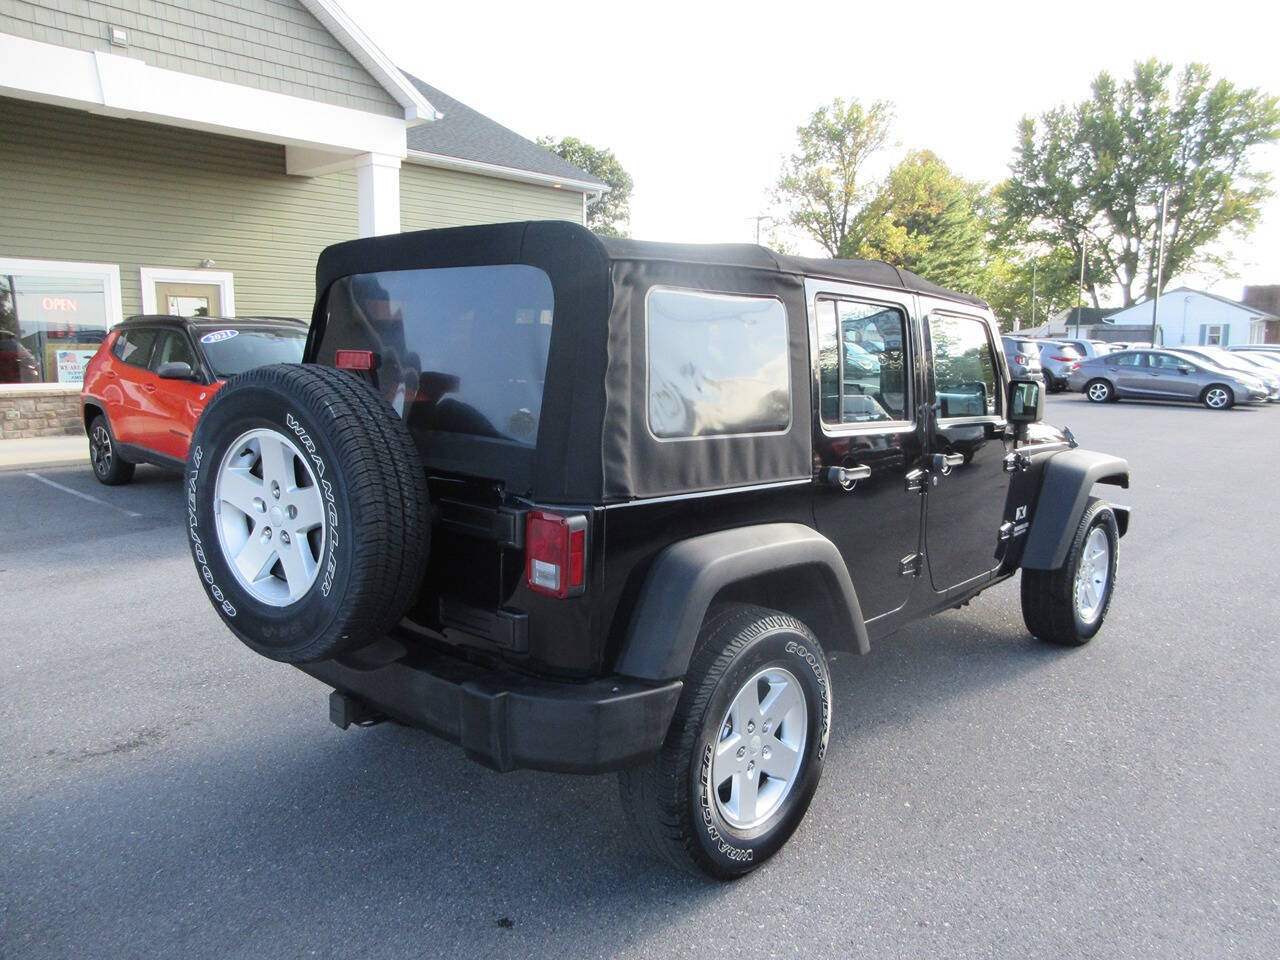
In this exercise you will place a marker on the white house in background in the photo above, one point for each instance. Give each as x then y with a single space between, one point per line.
1193 317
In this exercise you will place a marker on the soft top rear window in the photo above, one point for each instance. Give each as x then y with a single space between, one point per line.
460 349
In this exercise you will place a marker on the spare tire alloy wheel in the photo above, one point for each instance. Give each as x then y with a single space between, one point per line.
306 511
271 516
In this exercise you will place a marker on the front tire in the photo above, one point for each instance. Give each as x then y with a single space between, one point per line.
744 753
1217 396
108 466
1100 391
1068 605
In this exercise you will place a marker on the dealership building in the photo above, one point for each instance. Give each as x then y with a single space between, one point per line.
194 157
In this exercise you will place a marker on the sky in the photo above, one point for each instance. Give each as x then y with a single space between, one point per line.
700 101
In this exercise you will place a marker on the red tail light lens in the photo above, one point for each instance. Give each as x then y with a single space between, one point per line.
1019 358
1064 359
556 553
353 359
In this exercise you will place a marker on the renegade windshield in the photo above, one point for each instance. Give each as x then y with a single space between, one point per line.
234 350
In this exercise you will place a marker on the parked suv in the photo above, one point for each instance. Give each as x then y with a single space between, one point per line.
146 386
1023 357
1058 361
587 504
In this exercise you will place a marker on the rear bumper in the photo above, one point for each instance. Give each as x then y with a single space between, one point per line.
508 721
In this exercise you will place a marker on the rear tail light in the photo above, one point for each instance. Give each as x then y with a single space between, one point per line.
556 553
1062 359
1019 358
353 359
1076 365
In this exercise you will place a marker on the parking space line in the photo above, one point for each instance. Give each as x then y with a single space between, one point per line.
82 496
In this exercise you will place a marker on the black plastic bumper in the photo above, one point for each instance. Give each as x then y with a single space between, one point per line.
507 720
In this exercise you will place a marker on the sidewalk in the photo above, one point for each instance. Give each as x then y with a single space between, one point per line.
35 452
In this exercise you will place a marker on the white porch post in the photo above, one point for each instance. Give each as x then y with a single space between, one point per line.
378 193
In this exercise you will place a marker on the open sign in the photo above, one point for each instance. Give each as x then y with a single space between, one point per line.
60 304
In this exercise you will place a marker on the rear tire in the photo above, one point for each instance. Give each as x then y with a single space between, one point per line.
104 457
722 795
1217 396
1100 391
1068 605
306 511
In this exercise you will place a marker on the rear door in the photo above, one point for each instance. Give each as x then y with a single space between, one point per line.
968 485
132 418
865 356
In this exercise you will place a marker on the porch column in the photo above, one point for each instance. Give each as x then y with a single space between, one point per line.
378 193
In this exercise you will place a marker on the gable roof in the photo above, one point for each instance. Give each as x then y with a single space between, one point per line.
463 138
357 43
1226 301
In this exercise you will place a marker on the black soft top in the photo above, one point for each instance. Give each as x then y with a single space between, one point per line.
593 442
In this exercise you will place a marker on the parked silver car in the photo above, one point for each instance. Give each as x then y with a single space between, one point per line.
1023 356
1089 348
1058 359
1238 362
1165 375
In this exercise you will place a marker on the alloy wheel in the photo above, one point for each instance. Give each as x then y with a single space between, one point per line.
1092 575
100 454
270 517
1217 398
760 748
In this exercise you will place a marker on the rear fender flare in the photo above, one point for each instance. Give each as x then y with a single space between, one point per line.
1065 491
687 576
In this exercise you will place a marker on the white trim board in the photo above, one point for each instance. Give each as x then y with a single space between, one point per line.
120 86
108 272
425 159
148 277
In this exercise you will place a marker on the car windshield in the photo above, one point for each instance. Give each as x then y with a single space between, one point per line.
1223 360
235 350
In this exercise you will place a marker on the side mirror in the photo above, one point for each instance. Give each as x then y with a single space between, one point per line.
1026 401
1184 368
176 370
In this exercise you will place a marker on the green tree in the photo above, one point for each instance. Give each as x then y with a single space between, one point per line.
926 219
1098 170
609 215
822 183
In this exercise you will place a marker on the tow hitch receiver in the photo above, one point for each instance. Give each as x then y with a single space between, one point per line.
345 710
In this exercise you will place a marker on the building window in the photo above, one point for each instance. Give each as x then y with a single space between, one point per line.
718 364
53 317
1213 334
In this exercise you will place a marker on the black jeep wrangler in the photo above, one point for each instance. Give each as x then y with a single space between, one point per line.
584 504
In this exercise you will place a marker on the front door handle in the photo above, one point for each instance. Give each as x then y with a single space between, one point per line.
846 478
941 463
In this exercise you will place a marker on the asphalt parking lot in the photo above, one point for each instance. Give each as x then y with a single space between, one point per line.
165 792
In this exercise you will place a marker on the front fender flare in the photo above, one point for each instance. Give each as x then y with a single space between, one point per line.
1065 486
687 576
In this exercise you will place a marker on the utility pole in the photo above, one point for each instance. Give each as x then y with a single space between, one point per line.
1155 303
1034 264
1084 248
759 219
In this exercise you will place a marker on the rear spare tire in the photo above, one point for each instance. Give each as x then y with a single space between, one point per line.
306 511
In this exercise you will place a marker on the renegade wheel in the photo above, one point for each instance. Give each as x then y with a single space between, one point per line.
1217 397
1068 605
1100 391
306 510
744 753
108 466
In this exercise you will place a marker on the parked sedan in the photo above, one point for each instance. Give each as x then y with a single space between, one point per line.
153 376
1165 375
1237 362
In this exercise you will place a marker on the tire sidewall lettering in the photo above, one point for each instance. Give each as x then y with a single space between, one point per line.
196 458
330 503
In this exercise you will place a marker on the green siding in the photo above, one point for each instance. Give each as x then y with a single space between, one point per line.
272 45
431 197
76 186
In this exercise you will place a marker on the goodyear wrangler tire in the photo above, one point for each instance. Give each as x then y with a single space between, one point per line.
744 754
306 511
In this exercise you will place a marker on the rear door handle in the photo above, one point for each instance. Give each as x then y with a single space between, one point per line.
943 462
846 478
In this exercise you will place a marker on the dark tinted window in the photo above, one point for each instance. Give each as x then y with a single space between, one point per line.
861 362
134 346
1167 361
233 350
718 364
1125 360
964 367
174 347
463 349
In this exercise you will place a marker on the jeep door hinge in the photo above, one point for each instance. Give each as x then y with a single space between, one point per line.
911 565
1014 462
916 481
